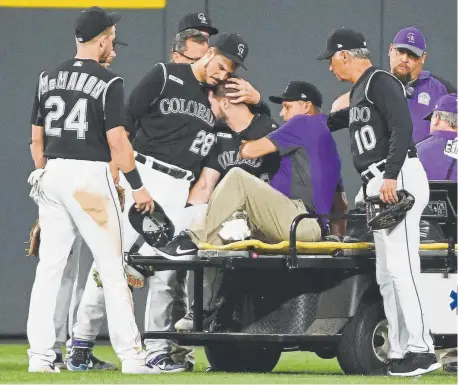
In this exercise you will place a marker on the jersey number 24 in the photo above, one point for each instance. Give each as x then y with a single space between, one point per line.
75 120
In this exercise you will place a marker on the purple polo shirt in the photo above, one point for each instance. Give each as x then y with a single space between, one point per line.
310 164
428 91
437 164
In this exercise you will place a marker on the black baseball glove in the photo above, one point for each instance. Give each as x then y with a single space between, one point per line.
384 216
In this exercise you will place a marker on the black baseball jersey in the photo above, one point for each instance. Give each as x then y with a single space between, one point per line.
225 154
172 115
77 103
380 122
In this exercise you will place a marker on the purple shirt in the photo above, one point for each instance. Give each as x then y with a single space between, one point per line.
310 164
437 164
428 91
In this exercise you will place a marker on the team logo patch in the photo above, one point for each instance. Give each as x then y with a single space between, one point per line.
202 18
411 38
424 98
77 64
274 126
175 79
451 148
224 135
241 48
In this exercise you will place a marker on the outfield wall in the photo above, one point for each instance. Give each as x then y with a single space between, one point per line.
284 37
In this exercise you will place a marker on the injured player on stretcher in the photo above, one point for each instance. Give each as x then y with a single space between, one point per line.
308 181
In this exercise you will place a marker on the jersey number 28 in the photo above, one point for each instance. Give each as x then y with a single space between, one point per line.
365 139
75 121
203 143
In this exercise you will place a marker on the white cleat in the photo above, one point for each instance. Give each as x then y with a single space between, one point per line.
44 369
137 367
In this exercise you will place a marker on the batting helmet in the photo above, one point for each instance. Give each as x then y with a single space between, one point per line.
156 229
384 216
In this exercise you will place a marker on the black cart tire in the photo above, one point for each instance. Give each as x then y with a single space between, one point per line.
233 357
364 343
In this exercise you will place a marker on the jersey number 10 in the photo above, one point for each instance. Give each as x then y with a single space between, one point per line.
75 121
365 139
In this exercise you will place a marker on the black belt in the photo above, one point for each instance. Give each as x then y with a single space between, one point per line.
173 172
381 167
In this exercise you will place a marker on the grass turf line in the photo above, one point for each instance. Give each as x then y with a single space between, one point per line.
293 368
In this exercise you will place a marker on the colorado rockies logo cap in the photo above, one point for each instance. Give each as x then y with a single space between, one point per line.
299 91
343 39
412 39
198 21
93 21
232 46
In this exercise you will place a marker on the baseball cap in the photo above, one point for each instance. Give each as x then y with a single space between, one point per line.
232 46
297 90
412 39
197 21
93 21
447 103
341 40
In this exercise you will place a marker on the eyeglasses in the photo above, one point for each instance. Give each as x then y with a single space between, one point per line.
191 59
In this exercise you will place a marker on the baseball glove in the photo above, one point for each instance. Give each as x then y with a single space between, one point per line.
384 216
122 195
34 240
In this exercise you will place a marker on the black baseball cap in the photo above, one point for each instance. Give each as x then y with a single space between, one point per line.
341 40
232 46
298 90
198 21
93 21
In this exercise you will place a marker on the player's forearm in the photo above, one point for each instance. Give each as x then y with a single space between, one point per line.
340 206
37 147
200 194
257 148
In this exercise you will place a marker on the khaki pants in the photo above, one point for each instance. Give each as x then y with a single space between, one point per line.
269 210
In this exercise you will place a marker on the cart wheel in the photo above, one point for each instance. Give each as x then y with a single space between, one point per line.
326 353
364 344
233 357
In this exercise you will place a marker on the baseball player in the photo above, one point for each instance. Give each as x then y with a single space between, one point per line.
241 125
439 151
77 128
170 109
408 54
385 156
71 290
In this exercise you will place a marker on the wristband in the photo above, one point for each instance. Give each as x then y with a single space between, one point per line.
133 177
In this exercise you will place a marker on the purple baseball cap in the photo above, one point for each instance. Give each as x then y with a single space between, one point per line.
446 103
412 39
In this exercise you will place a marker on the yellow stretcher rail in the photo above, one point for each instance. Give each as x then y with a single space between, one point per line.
307 247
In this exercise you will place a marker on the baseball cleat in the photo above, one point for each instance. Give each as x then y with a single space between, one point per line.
97 364
165 364
79 359
450 367
180 248
138 367
59 361
44 369
185 324
414 364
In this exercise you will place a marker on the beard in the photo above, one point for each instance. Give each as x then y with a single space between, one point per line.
221 117
404 78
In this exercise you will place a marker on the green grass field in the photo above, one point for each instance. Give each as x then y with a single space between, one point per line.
293 368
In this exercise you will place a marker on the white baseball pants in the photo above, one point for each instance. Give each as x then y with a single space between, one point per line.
398 266
79 196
